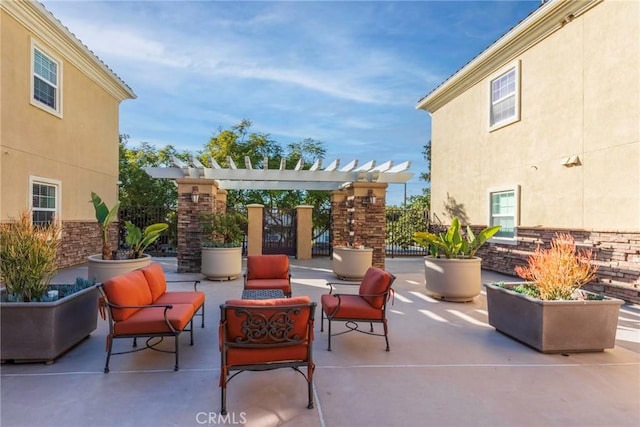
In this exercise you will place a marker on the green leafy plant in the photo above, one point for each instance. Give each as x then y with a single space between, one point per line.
452 244
223 229
27 257
105 217
560 270
138 240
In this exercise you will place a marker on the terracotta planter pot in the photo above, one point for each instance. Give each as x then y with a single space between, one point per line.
554 326
42 331
351 263
456 279
221 263
101 270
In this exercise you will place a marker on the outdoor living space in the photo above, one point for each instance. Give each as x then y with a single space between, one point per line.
446 366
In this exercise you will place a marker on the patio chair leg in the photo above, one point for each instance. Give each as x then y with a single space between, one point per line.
177 352
329 348
386 338
135 341
371 325
106 364
191 331
223 399
322 321
202 314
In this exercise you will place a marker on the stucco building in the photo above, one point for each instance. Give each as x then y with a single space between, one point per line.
541 133
59 112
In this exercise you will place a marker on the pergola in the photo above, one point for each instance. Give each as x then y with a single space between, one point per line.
332 177
358 195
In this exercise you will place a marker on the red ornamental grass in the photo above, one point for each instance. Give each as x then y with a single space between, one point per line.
559 270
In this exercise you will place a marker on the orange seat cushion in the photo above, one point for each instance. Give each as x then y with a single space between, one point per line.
351 307
128 289
195 298
269 284
150 320
235 330
155 279
267 267
375 281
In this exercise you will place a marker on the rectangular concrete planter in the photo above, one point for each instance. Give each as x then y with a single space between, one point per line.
553 326
42 331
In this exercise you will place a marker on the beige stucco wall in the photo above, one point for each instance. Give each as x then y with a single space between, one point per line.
580 95
80 149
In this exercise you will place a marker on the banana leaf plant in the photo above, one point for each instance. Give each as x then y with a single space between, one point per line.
105 217
452 243
138 240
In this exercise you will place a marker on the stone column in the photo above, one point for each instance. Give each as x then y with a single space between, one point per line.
254 236
189 237
358 218
304 229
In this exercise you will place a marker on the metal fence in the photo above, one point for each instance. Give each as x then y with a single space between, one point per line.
401 224
143 216
321 233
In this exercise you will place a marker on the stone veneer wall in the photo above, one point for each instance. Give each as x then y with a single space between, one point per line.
81 239
616 253
189 236
369 225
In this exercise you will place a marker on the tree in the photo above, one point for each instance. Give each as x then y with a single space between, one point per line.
137 188
426 152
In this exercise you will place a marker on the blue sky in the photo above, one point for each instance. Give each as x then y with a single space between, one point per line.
348 74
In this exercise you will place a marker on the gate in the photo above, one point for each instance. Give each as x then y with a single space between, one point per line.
279 232
143 216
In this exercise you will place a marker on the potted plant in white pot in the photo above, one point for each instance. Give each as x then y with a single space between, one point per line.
452 271
38 320
107 265
550 312
222 237
351 262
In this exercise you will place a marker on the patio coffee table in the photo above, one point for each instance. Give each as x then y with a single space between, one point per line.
262 293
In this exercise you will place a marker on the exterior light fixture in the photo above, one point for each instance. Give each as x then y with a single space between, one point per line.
195 196
371 198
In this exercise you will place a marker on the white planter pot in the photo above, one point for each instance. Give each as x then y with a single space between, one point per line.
351 263
457 280
221 263
101 270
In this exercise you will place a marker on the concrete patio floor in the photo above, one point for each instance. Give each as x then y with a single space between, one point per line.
446 367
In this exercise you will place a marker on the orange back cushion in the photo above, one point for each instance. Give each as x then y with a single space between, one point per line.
128 289
267 267
375 281
155 279
265 309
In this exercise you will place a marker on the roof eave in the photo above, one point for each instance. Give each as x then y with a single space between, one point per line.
530 31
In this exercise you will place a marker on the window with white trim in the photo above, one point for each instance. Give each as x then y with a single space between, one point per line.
505 98
46 81
45 200
503 211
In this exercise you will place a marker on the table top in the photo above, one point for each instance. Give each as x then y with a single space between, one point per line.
262 293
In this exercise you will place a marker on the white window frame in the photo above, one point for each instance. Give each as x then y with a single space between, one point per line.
515 68
516 215
58 84
57 211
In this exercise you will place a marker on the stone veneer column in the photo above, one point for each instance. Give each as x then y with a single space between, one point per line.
254 229
189 236
369 220
304 231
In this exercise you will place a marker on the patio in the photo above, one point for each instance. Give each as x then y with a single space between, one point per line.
446 366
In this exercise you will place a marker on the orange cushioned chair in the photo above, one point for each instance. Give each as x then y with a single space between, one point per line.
369 305
259 335
268 272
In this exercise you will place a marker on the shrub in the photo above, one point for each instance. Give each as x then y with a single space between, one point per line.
560 270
